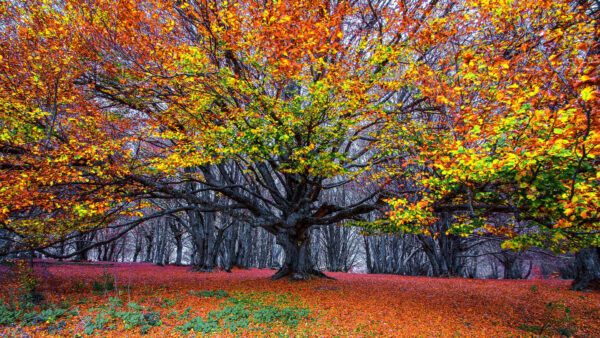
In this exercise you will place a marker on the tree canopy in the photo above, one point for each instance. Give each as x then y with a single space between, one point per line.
256 109
512 125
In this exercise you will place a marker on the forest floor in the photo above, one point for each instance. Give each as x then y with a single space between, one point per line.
136 299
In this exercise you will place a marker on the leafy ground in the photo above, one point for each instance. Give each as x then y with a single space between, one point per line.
171 301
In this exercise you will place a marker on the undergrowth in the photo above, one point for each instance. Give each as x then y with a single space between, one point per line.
245 311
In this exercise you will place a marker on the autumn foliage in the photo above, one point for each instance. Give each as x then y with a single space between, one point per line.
510 126
355 305
483 113
490 106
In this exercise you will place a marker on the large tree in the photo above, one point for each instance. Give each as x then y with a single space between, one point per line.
250 108
268 105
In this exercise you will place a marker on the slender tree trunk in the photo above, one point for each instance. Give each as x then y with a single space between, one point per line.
178 237
158 249
270 246
104 253
179 250
138 248
149 242
368 255
61 250
209 241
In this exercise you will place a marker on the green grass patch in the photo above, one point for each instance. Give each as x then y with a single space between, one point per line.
247 311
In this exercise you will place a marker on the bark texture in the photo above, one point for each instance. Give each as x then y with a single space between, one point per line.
297 264
587 269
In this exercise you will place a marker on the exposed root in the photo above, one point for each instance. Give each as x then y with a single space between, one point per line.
202 269
298 276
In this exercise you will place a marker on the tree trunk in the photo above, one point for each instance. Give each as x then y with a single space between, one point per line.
179 253
202 229
217 246
138 248
61 249
148 256
368 255
432 255
81 241
512 270
297 264
587 269
5 245
230 251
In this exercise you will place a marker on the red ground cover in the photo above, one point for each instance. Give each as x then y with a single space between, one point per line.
352 305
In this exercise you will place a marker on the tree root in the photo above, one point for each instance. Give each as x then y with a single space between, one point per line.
298 275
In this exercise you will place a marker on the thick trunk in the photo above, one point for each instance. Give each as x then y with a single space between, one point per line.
197 240
297 264
203 236
159 235
248 246
243 246
429 248
512 270
5 245
81 241
217 247
511 262
587 269
230 251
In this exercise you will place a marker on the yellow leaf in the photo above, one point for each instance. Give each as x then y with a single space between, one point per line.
587 93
